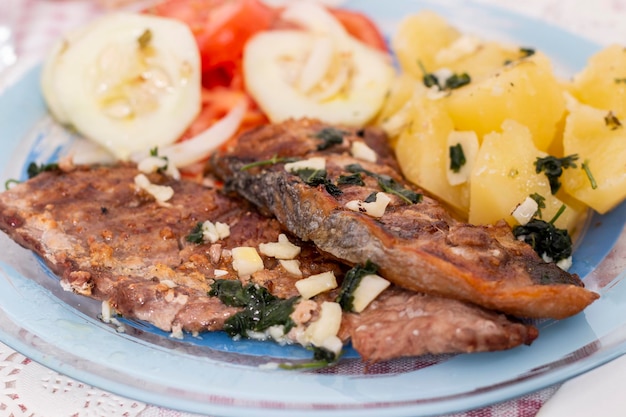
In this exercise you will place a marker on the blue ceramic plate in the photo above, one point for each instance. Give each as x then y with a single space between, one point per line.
213 375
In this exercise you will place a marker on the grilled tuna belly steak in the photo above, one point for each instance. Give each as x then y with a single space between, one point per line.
340 189
202 261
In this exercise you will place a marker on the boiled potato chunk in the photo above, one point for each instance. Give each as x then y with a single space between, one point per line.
504 175
428 39
484 60
526 91
419 38
601 145
422 152
602 83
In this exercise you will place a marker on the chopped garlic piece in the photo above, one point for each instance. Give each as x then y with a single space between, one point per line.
220 273
565 264
368 289
246 260
333 344
283 249
525 211
375 208
151 164
292 266
360 150
326 327
315 284
212 232
161 193
316 163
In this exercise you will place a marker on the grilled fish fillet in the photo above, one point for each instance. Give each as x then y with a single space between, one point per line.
108 240
417 245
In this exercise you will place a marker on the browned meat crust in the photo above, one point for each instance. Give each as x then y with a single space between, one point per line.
417 246
111 242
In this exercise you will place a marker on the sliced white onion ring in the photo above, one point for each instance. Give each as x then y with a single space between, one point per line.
182 154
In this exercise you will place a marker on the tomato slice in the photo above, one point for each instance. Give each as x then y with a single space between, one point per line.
221 27
361 27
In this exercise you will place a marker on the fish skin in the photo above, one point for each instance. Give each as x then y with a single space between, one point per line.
420 247
109 241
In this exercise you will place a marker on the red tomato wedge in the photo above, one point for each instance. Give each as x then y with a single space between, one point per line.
361 27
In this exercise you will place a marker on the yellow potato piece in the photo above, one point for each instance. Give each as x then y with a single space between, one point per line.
422 152
602 83
504 175
419 38
488 58
526 91
602 147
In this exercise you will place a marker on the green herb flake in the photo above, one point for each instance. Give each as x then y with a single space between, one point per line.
330 136
553 168
457 81
315 177
611 121
457 157
196 235
351 281
620 80
545 239
526 52
10 182
33 169
261 310
388 185
352 179
541 203
429 79
587 170
451 83
371 198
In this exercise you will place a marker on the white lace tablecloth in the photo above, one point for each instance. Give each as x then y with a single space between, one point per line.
29 389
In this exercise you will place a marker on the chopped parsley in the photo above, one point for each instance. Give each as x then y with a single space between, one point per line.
553 168
587 170
350 283
352 179
388 184
315 177
261 309
541 203
457 157
546 239
196 235
371 198
33 169
330 136
452 82
456 81
611 121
